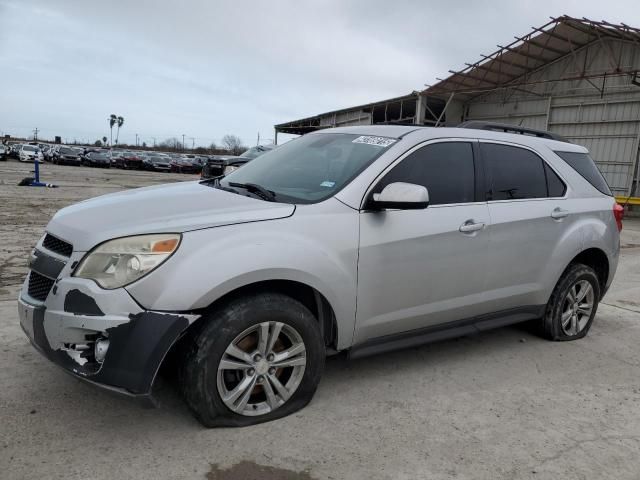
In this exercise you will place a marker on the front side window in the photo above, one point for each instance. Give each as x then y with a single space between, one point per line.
311 168
513 173
446 169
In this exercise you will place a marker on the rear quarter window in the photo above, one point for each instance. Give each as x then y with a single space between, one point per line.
586 167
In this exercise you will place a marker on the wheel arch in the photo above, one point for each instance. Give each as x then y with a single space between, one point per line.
597 259
309 296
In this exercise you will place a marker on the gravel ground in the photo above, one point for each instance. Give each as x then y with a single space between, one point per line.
501 405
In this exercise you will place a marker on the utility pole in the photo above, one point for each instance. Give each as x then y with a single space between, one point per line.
154 142
183 142
35 134
193 143
258 141
136 139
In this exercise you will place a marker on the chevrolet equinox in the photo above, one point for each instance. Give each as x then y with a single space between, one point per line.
358 239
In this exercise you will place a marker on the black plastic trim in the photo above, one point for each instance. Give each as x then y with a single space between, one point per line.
507 128
46 265
135 353
458 328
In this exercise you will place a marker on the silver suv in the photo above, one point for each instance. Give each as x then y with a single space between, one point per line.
358 240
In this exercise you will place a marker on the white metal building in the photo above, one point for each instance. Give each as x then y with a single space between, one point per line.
575 77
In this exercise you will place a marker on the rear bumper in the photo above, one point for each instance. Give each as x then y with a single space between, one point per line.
69 161
75 314
135 164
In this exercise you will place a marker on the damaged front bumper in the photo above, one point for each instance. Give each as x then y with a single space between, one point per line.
77 313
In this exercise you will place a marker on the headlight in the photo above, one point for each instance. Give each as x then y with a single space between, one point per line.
119 262
230 168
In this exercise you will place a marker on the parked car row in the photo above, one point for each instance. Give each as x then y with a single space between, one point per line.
25 152
210 166
220 165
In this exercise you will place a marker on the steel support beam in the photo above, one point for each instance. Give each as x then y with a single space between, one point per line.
444 109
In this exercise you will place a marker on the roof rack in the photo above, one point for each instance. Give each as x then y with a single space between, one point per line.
503 127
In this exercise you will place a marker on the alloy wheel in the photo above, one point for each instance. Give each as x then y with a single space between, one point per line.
577 308
261 368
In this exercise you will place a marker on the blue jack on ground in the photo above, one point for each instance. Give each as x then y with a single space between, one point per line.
35 182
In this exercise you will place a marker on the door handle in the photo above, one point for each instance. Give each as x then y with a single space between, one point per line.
470 226
559 213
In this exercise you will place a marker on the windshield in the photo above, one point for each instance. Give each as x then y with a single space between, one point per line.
28 148
311 168
254 152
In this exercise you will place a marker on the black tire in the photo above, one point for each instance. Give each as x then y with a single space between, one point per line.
551 322
205 346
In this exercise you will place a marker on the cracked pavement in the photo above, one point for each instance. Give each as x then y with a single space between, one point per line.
500 405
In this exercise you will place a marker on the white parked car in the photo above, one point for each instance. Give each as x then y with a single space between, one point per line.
28 153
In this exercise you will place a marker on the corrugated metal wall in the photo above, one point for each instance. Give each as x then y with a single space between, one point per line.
344 119
606 121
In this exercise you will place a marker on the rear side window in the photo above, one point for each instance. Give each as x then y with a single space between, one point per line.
513 173
446 169
585 166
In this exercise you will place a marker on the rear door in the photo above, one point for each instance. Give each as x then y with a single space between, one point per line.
529 216
418 268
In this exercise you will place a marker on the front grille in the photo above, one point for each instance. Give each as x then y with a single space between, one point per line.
58 246
39 286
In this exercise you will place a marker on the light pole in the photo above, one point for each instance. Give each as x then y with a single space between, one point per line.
183 135
136 139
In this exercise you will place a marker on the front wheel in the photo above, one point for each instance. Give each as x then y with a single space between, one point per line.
256 359
573 304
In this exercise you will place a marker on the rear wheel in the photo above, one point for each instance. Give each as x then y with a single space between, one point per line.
573 304
255 359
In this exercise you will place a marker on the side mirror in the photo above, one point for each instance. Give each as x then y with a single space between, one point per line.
400 195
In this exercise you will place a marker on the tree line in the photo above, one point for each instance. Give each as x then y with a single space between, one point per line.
230 145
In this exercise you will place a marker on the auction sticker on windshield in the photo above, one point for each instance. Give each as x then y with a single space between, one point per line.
376 141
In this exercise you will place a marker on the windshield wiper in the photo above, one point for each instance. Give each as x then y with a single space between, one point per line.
256 189
214 180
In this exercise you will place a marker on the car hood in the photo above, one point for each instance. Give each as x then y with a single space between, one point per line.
177 207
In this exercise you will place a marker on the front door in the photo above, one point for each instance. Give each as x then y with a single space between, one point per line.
419 268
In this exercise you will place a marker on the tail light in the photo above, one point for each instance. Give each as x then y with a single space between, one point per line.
618 213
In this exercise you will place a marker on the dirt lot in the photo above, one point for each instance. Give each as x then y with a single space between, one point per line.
501 405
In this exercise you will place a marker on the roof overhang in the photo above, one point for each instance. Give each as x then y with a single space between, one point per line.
510 66
310 124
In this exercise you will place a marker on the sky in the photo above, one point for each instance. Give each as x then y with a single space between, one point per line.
206 68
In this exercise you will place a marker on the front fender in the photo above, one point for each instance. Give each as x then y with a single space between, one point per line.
315 247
